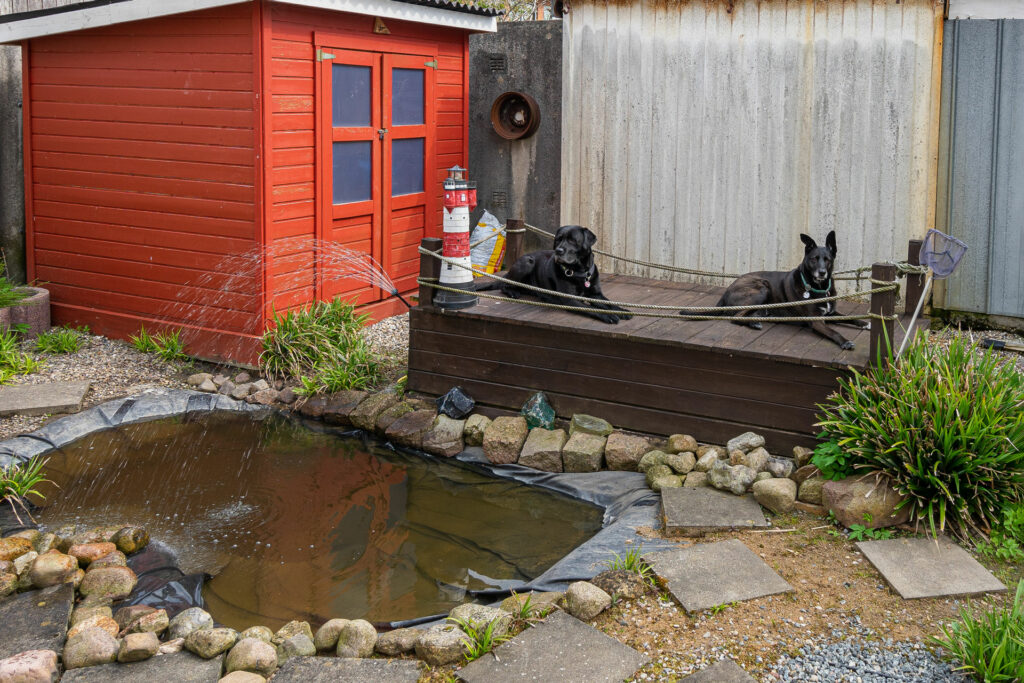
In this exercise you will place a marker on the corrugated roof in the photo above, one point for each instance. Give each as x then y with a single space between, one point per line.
468 8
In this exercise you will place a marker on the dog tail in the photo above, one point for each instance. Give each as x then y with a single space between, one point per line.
482 284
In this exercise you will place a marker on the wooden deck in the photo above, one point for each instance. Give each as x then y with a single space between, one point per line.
711 379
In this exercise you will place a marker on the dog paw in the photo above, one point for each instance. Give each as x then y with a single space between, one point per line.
846 346
755 326
867 325
610 319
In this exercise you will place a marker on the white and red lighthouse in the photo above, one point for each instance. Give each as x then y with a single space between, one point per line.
459 200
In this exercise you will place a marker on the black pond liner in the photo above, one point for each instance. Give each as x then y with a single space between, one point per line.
627 502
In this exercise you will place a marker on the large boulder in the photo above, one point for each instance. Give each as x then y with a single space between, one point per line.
442 645
91 647
583 452
31 666
778 495
623 451
252 655
114 583
356 639
445 437
53 568
585 601
543 449
210 642
504 438
866 499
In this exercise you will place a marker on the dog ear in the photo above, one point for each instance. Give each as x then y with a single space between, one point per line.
808 241
830 242
589 238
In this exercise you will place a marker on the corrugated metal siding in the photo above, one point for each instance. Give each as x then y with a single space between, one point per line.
710 134
982 162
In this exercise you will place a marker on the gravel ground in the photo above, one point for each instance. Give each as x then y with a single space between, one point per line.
944 336
864 662
389 337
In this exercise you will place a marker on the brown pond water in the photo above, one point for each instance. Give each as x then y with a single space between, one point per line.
294 524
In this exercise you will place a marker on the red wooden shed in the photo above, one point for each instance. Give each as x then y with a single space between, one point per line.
188 163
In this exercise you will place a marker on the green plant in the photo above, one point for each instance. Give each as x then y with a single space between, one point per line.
831 459
143 341
480 639
59 340
859 532
1006 542
169 346
632 561
18 481
10 294
944 425
12 361
990 647
718 609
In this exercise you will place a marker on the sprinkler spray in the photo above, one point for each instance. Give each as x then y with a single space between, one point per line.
394 292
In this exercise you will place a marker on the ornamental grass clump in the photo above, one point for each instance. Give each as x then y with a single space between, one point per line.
945 425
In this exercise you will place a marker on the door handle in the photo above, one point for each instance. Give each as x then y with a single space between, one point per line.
381 132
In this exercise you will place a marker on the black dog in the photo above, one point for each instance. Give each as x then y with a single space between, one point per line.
567 269
811 280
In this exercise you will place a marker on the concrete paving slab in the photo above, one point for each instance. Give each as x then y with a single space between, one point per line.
705 575
560 648
925 568
331 669
699 510
180 667
725 671
35 620
42 399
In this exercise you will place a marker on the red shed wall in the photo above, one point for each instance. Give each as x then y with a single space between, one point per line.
141 176
290 64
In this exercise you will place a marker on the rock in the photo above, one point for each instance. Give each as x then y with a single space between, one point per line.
260 385
226 388
651 459
473 432
780 468
31 666
681 463
198 378
583 452
126 615
397 642
681 443
95 621
356 639
364 416
219 379
707 461
756 459
252 655
804 473
456 404
623 451
585 601
543 449
8 584
266 397
479 616
79 577
23 565
290 629
154 622
866 499
114 559
338 408
13 547
89 648
504 438
540 602
734 478
45 543
81 613
695 479
761 476
242 677
778 495
138 646
29 535
802 456
538 412
243 378
326 637
445 438
667 481
655 471
811 509
210 642
172 646
287 396
187 621
258 632
445 644
114 583
85 553
241 391
620 582
386 418
299 645
811 491
745 442
53 568
408 430
208 386
588 424
7 567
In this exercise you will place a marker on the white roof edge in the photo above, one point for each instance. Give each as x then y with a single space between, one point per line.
135 10
986 9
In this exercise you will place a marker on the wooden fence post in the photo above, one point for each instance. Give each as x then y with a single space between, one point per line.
915 283
514 233
430 269
882 303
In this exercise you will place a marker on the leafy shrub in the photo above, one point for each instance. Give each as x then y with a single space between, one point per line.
990 647
1006 542
59 340
323 347
833 460
18 481
945 425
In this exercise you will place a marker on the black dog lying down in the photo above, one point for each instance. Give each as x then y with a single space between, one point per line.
811 280
567 269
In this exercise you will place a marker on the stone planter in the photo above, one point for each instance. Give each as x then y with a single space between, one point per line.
33 312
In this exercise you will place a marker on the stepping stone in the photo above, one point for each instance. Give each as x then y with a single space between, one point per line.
560 648
330 669
180 667
35 620
725 671
42 399
924 568
706 575
699 510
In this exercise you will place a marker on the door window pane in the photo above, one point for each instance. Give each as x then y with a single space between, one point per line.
406 166
407 97
352 171
350 95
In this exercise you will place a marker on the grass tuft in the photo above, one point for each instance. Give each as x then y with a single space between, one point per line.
59 340
479 640
18 481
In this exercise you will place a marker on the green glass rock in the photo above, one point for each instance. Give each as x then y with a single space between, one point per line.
538 412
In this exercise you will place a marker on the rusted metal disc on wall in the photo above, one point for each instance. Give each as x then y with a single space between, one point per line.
515 115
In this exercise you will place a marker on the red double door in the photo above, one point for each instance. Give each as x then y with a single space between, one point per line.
376 129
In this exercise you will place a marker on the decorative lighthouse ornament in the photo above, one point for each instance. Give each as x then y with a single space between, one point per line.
459 200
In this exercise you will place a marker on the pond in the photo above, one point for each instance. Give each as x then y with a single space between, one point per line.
296 524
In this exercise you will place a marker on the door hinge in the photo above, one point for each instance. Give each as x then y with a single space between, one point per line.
381 132
321 55
431 64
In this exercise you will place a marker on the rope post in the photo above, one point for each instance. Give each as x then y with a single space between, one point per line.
514 233
430 269
915 283
884 304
